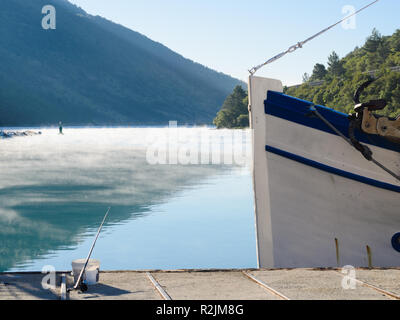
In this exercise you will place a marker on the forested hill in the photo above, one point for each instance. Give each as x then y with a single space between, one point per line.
90 71
334 85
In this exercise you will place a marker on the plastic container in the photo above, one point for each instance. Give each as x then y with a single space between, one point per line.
91 274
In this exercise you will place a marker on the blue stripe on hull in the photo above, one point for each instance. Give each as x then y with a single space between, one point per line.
326 168
297 110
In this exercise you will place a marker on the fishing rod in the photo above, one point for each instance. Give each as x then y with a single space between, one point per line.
79 282
300 45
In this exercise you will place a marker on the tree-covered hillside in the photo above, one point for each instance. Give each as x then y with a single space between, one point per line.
90 71
233 113
334 85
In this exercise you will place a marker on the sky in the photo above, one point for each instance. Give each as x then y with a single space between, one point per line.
232 36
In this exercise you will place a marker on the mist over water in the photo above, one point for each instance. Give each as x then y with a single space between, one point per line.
55 189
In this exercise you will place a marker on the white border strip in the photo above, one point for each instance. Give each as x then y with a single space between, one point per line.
160 290
63 290
258 88
365 284
265 286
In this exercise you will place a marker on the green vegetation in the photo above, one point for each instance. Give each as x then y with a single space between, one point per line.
90 71
334 85
233 113
377 58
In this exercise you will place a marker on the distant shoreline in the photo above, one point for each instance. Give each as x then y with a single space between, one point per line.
105 127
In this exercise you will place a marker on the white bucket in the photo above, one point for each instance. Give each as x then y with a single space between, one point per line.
91 274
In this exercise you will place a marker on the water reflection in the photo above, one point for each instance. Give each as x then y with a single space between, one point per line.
53 189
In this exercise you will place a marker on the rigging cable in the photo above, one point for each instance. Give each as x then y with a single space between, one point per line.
300 45
365 150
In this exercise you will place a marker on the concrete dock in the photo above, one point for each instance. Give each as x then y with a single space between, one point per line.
282 284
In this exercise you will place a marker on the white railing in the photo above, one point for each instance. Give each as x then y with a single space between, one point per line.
374 72
321 82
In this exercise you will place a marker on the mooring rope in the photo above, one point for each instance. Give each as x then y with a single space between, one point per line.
365 150
300 45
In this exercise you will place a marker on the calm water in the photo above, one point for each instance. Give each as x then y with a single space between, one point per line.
55 189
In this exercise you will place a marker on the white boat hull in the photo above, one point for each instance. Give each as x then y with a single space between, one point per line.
318 202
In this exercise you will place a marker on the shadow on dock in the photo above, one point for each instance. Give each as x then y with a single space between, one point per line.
25 287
